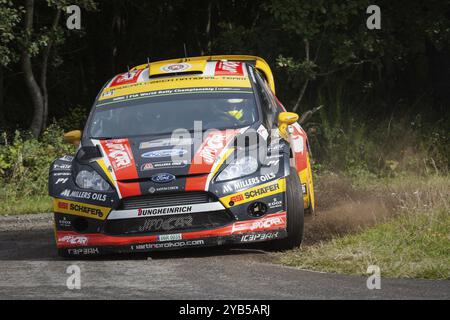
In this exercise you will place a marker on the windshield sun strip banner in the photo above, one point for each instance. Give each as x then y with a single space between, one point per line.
177 92
166 211
175 83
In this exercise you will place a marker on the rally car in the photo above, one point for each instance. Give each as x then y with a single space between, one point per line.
184 153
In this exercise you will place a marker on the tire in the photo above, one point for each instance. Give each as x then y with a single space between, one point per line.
63 254
295 215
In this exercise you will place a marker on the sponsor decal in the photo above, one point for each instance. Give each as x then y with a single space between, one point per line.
163 165
255 193
64 223
66 159
62 167
157 86
109 93
166 143
229 68
261 191
62 181
273 163
63 205
275 146
165 211
168 245
262 131
147 167
84 195
61 174
212 147
304 189
166 224
176 67
170 237
297 144
75 240
260 225
267 223
163 178
80 209
83 251
247 183
208 158
167 153
276 203
119 153
153 190
237 198
259 237
126 78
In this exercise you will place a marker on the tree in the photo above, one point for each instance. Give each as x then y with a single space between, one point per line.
331 33
9 18
38 44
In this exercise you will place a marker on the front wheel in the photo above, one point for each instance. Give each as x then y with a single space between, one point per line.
295 214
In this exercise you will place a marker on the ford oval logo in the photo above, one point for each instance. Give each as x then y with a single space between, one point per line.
164 153
163 178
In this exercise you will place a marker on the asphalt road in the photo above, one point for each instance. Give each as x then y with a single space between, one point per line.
30 269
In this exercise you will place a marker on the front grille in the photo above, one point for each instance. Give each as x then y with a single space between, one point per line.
166 200
167 224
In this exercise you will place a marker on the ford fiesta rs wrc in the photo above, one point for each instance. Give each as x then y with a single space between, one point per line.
184 153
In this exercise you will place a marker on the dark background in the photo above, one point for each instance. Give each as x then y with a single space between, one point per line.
408 70
371 82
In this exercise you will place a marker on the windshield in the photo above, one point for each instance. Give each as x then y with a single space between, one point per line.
163 115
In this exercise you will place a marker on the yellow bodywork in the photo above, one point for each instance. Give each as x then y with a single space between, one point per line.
307 179
80 209
255 193
133 91
198 64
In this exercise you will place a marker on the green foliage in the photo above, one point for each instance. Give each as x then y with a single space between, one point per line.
75 119
409 241
387 148
385 91
329 34
9 18
411 246
41 35
25 161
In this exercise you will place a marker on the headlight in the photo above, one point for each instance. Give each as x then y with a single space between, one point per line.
239 168
91 180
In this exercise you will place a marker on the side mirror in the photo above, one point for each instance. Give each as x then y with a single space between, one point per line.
285 119
73 137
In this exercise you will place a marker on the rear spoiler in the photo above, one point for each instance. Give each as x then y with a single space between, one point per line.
259 63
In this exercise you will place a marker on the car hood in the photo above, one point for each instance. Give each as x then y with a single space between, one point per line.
149 157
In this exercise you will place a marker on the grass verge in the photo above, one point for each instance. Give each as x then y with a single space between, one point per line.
26 205
408 238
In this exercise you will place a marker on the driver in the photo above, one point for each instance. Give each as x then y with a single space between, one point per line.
231 109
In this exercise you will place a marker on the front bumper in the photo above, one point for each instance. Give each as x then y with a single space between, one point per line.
267 228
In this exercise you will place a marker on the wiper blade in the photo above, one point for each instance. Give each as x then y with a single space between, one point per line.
105 138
